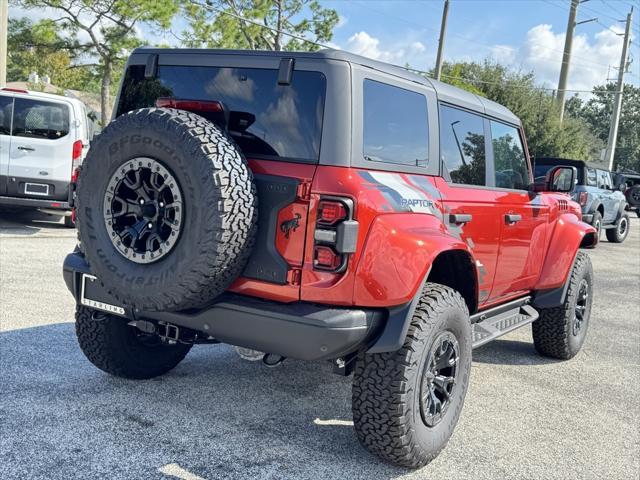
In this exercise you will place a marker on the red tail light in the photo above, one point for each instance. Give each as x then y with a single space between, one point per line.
326 259
77 150
190 105
335 235
330 212
583 198
16 90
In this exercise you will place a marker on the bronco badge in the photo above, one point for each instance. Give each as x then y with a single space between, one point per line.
288 225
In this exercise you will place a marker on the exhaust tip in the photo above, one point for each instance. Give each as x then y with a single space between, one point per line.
272 359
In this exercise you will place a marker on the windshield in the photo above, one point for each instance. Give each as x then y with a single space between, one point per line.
267 120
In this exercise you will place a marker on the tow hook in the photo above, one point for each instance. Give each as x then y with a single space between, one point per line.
272 359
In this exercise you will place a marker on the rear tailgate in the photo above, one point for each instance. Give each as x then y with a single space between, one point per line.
275 266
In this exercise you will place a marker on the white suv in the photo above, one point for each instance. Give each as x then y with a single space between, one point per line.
43 140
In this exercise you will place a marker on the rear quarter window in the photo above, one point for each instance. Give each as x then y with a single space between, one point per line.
265 119
395 127
6 104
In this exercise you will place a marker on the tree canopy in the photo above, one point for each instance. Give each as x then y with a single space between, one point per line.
103 31
222 24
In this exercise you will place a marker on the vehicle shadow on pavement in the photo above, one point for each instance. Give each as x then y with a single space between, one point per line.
214 416
510 352
28 222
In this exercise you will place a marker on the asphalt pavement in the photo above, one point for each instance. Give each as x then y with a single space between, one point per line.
217 416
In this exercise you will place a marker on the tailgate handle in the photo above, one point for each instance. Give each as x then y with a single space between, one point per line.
512 218
28 149
459 218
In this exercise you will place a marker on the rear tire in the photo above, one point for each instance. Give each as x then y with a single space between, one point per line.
621 230
561 331
390 415
121 350
69 222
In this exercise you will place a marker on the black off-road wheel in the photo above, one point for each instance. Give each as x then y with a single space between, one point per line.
561 331
621 230
166 209
406 403
122 350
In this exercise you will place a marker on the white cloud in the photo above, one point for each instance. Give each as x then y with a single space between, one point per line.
504 53
590 58
342 21
368 46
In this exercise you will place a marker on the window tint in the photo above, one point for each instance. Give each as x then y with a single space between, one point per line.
510 162
265 119
39 119
462 145
395 125
591 177
6 104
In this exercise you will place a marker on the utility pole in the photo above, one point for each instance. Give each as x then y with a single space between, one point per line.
4 20
443 31
617 102
566 56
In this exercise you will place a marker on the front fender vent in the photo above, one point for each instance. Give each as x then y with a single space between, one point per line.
563 205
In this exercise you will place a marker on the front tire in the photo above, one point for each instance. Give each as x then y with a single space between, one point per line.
121 350
621 230
561 331
406 403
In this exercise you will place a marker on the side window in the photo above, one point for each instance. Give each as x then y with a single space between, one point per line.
591 177
40 119
6 104
395 127
510 162
462 146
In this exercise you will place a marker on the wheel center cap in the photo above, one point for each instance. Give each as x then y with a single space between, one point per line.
149 211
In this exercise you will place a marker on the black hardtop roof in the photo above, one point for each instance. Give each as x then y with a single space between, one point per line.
444 91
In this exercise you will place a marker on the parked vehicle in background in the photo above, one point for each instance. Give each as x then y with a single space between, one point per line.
398 228
601 199
43 140
630 182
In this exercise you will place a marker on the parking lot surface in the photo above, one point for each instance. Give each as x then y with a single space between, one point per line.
217 416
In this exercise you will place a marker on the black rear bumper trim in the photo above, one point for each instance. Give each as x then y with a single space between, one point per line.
299 330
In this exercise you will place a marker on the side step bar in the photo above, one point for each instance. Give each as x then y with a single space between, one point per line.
499 321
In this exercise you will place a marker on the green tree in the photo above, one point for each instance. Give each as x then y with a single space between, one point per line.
258 24
536 107
37 47
597 110
104 31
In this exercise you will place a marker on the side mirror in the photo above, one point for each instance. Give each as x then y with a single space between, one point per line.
560 179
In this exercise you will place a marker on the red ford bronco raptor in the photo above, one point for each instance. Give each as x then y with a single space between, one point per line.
323 206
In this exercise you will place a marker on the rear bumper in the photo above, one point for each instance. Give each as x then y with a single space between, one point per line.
35 203
297 330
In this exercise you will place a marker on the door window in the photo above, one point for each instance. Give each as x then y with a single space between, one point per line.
510 162
6 104
395 125
462 146
40 119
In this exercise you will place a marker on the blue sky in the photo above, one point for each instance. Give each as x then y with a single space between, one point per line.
524 34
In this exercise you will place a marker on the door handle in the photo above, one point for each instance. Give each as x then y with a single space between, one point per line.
459 218
512 218
28 149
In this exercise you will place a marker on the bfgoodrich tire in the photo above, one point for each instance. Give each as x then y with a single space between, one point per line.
406 403
166 209
561 331
121 350
621 230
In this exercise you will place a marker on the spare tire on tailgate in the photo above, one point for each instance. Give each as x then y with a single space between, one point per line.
167 209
